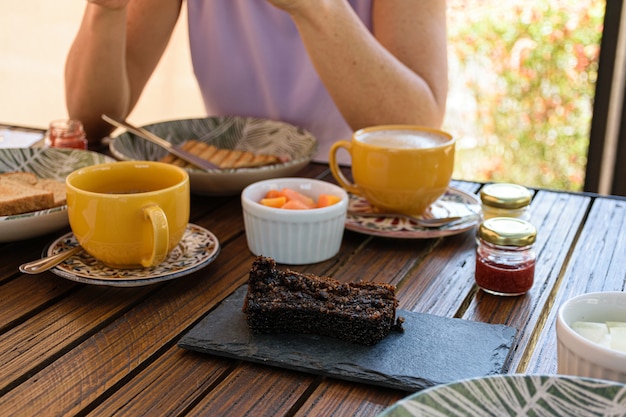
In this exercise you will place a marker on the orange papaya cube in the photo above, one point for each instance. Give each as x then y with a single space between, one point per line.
325 200
276 202
295 195
295 205
273 194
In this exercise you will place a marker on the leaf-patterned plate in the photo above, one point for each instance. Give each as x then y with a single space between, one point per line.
227 132
453 203
197 248
45 163
516 395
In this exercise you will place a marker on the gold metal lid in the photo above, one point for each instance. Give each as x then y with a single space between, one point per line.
507 231
506 196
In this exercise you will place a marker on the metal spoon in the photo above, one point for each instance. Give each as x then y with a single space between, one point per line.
43 264
424 222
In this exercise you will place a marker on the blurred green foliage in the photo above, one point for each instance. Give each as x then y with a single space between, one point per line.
522 80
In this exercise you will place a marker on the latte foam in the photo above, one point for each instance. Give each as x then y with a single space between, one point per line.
404 139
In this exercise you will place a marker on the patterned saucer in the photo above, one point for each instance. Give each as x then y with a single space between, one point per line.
453 203
197 248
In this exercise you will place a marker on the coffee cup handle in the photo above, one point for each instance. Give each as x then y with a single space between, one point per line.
336 171
160 235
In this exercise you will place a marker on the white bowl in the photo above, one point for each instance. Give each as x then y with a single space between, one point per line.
294 237
579 356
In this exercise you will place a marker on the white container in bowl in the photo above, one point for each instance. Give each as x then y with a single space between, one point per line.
294 237
580 356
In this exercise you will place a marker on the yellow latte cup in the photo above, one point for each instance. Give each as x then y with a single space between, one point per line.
128 214
397 168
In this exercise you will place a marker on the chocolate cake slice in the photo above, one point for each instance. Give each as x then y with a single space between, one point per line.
291 302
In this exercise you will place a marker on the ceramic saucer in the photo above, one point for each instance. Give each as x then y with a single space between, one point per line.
453 203
197 248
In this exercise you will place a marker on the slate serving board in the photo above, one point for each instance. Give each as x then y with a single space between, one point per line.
432 350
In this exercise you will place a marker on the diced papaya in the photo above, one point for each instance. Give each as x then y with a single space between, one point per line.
276 202
274 194
295 205
288 198
295 195
325 200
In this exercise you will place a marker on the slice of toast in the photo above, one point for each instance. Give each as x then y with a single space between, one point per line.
23 192
56 187
25 177
17 197
223 158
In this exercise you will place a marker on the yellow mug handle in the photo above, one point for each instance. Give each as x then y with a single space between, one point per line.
160 235
334 166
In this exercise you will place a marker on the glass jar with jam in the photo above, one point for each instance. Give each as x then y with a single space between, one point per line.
505 200
505 256
66 134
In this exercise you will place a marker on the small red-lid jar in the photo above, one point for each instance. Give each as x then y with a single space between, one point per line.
505 256
66 134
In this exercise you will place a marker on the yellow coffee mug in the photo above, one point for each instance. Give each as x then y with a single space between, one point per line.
128 214
397 168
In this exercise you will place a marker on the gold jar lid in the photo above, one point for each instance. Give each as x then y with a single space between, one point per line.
507 231
506 196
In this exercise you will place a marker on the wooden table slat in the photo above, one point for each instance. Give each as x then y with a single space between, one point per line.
275 393
31 345
188 378
342 398
40 290
598 263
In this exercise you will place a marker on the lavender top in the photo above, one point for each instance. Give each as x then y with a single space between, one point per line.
249 60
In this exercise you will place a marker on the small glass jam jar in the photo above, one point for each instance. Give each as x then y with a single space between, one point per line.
66 134
505 200
505 256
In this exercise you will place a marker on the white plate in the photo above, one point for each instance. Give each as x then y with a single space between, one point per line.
45 163
228 132
453 203
516 395
197 248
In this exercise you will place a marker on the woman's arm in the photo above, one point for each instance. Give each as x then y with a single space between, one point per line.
397 75
117 47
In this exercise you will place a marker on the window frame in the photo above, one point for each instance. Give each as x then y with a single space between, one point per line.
605 171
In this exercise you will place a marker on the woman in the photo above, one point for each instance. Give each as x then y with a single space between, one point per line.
329 66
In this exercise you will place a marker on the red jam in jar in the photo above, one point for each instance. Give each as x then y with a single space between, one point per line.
66 134
505 257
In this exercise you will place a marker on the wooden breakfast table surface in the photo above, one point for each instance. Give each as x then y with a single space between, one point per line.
68 348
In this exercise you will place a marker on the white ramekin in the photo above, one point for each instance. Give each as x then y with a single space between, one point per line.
579 356
294 237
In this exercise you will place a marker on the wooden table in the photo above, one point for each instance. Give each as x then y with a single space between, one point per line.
74 349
